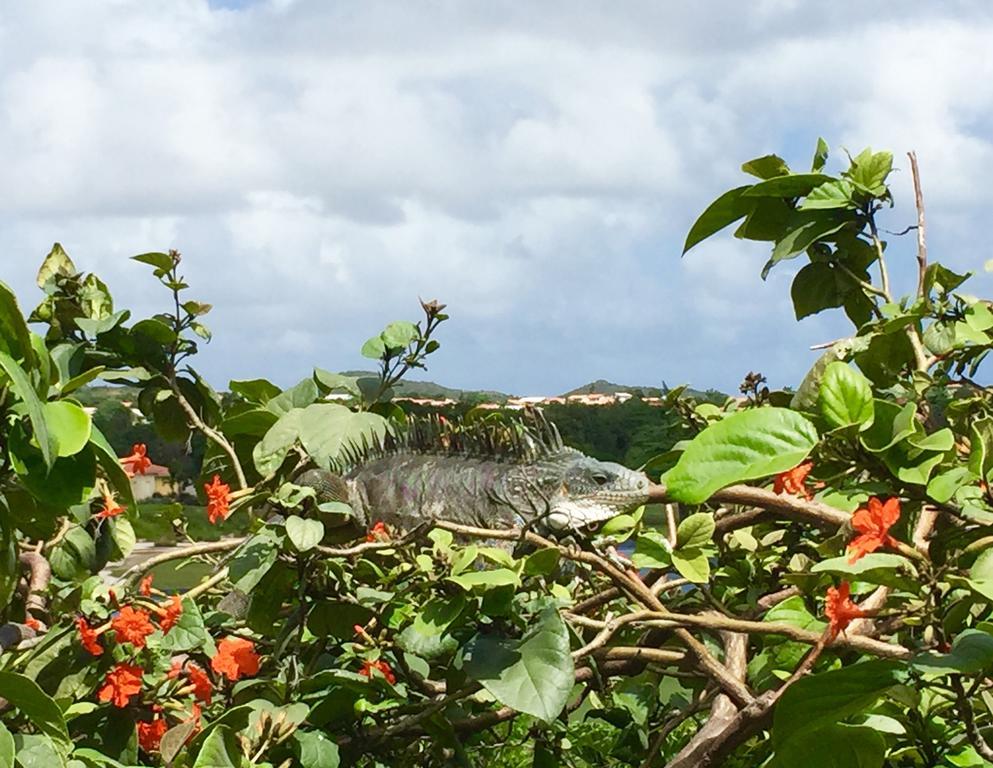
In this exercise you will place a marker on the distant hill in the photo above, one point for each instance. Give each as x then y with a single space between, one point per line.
438 391
604 387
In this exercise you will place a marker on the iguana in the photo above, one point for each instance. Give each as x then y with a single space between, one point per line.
484 474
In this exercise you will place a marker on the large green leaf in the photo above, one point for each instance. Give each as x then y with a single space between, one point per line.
326 429
14 337
69 426
835 746
9 574
845 396
300 395
21 387
815 288
800 238
695 531
692 564
875 568
111 466
793 185
815 702
725 210
836 193
6 748
45 715
972 652
270 452
315 750
304 534
220 750
533 675
766 167
743 446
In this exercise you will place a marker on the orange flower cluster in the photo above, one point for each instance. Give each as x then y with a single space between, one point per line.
873 525
840 609
169 615
381 666
218 499
378 532
121 683
138 462
236 657
110 508
145 587
132 626
793 481
200 684
150 733
88 637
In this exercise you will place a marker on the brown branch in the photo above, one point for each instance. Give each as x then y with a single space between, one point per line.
784 504
39 575
178 553
373 546
213 434
921 231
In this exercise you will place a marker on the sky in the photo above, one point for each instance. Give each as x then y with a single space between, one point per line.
535 166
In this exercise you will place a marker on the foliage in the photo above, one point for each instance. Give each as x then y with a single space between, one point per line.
745 630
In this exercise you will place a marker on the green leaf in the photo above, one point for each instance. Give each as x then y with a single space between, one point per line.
820 156
304 534
743 446
794 185
21 386
258 391
800 238
270 452
725 210
315 750
175 739
869 170
696 531
220 750
845 396
374 348
56 264
45 715
498 577
34 751
69 426
542 563
336 381
981 447
436 615
692 564
326 429
766 167
298 396
890 425
399 334
835 194
814 289
155 330
161 261
793 611
6 748
9 575
652 550
817 701
943 487
337 618
189 633
972 652
875 568
534 675
835 746
15 339
253 559
123 535
111 466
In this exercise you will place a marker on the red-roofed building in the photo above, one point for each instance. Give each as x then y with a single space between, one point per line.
156 480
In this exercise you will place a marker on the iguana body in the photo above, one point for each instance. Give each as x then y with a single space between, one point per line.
491 476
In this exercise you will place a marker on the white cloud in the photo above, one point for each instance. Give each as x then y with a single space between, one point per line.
321 165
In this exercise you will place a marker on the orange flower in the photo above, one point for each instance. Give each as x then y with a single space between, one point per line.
793 481
169 615
88 637
840 609
203 689
110 508
33 623
121 683
137 463
150 734
381 666
132 626
145 588
218 498
378 532
874 526
235 657
175 669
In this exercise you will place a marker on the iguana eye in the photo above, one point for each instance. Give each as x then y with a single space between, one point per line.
599 478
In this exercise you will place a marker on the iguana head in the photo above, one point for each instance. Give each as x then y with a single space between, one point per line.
581 491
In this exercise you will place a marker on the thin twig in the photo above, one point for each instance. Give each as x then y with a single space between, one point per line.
921 231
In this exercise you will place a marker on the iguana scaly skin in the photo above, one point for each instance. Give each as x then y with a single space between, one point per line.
491 476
